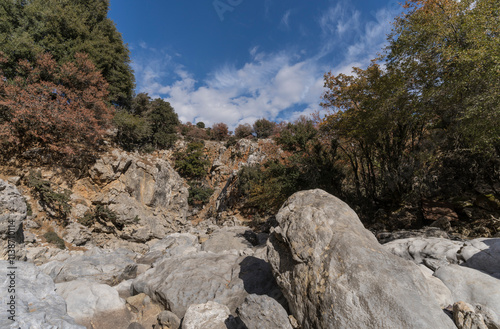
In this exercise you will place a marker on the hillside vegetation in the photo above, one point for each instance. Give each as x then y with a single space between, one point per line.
420 125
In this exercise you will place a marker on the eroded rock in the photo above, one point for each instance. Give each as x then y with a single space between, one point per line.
335 274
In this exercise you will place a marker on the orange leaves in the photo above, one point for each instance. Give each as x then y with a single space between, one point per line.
53 106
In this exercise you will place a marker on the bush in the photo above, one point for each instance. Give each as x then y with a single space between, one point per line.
263 128
192 163
52 237
55 202
219 131
54 108
199 194
148 125
200 125
102 214
243 131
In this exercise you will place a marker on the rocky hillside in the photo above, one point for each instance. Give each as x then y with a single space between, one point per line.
122 247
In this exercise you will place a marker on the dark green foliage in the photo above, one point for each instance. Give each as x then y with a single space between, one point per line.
163 122
101 214
200 125
55 202
133 130
231 141
149 125
296 136
263 128
199 194
192 163
64 28
52 237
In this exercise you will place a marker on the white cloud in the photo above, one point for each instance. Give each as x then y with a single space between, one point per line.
339 20
271 85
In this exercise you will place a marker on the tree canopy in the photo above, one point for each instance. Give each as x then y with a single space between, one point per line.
63 28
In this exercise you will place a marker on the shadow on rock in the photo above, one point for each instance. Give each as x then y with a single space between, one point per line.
487 260
258 279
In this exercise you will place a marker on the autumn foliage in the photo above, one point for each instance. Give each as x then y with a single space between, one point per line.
53 108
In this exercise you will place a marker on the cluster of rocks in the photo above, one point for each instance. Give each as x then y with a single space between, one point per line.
319 268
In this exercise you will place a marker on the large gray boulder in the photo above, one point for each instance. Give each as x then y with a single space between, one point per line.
36 305
104 266
263 312
471 286
335 274
172 245
196 278
91 302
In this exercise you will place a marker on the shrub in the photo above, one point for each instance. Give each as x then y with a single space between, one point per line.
200 125
243 131
263 128
199 194
219 131
192 163
56 202
102 214
52 237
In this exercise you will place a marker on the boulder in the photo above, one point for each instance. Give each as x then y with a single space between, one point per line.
168 320
263 312
179 281
335 274
482 254
110 267
432 252
228 238
172 245
441 292
471 286
210 315
91 302
37 305
466 318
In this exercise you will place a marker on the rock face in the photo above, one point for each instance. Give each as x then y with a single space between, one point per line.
36 303
335 274
148 196
12 213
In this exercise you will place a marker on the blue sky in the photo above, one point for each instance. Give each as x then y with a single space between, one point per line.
235 61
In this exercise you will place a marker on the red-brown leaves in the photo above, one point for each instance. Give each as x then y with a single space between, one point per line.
51 106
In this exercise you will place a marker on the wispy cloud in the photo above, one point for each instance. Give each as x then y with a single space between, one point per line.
339 19
285 20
